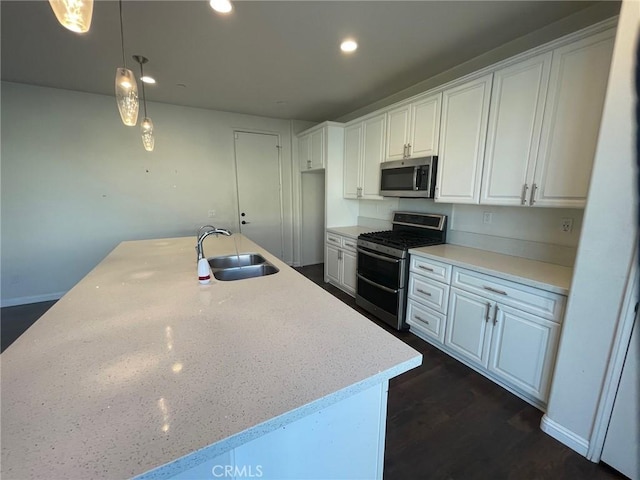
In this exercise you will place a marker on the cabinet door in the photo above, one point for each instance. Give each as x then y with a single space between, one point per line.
304 150
352 158
349 268
332 265
317 149
465 111
372 156
397 132
425 126
467 330
577 87
513 137
523 350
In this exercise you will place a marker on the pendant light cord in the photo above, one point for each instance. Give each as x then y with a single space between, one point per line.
124 62
144 98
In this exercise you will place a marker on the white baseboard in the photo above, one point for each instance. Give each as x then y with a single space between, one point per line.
564 435
12 302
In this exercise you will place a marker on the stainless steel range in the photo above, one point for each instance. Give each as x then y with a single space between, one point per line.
383 263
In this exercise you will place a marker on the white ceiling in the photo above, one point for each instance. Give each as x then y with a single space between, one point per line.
276 59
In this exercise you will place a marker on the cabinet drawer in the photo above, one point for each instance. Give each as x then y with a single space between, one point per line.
425 320
430 293
431 268
333 239
528 299
349 244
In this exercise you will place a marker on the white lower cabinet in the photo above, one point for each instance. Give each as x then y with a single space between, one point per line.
523 348
341 262
505 330
468 331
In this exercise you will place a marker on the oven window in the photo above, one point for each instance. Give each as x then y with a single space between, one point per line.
383 272
397 179
382 299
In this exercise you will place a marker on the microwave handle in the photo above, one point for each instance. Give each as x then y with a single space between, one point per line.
415 177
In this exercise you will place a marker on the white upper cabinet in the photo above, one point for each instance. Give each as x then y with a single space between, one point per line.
352 156
515 122
577 87
363 153
465 112
413 128
311 150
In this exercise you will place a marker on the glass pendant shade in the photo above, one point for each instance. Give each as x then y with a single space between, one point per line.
147 134
127 96
73 14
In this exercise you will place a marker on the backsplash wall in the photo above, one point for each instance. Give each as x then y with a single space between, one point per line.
533 233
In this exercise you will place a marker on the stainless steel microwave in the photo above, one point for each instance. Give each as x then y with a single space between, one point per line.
411 177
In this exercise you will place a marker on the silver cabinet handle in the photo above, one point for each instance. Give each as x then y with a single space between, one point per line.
349 245
359 192
495 315
386 289
417 317
523 195
486 318
494 290
379 257
404 151
408 150
339 254
419 290
334 240
425 268
532 200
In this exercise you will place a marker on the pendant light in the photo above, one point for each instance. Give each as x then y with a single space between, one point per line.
146 126
126 87
73 14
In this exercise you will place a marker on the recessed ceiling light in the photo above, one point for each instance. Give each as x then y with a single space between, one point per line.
348 46
148 79
221 6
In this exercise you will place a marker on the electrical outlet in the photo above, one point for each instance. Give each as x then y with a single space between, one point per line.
487 217
212 213
566 225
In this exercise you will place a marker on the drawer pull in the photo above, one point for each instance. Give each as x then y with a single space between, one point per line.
334 240
495 290
349 245
425 268
417 317
419 290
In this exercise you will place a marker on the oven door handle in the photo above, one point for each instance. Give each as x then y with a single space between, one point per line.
379 257
386 289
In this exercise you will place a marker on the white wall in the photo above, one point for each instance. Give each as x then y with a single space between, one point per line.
76 182
312 221
604 256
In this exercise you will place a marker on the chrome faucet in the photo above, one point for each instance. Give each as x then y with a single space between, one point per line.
202 235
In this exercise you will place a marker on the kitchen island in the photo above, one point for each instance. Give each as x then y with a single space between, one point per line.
141 371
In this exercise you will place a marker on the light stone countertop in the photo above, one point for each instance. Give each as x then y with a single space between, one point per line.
547 276
139 365
352 231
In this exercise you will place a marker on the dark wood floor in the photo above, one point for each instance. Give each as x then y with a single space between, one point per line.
445 421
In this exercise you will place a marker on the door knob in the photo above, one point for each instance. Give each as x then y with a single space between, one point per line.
242 214
244 222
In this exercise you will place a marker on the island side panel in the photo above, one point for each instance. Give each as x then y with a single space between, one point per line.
344 440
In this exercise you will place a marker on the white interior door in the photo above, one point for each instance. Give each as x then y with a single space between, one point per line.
259 189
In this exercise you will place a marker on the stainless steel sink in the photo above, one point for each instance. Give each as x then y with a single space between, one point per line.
240 273
239 267
231 261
